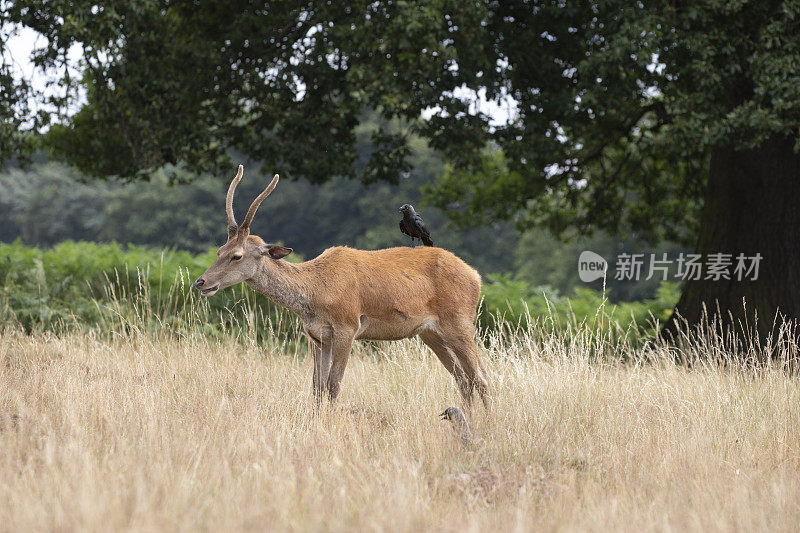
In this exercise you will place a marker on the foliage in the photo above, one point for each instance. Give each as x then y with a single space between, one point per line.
513 302
622 115
109 287
19 118
617 104
49 203
541 259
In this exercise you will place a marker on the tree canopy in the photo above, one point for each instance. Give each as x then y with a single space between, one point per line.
617 103
620 108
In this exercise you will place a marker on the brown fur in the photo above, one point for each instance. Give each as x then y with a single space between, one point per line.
346 294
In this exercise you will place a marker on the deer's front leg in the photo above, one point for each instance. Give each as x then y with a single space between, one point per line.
323 355
322 349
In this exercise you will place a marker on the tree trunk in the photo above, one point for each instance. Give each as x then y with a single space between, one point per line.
751 206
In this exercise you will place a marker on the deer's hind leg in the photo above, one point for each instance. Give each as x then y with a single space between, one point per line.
436 342
342 344
460 338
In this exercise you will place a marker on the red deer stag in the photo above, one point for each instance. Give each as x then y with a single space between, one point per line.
346 294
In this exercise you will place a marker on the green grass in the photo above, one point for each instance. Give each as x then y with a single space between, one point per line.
105 286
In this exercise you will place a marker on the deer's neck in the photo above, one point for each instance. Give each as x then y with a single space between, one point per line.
283 283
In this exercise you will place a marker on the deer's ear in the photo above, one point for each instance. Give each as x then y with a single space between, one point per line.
274 251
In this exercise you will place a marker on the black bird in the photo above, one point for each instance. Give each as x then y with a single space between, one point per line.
456 417
413 226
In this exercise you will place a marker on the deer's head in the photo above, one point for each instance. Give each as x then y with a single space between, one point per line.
239 258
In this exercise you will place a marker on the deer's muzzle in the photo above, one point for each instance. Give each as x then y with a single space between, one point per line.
200 285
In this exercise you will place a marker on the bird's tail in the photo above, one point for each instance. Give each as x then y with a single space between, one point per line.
427 241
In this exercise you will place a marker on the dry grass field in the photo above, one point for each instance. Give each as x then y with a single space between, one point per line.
147 432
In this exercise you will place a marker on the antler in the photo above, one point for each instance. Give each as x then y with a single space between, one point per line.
232 226
245 227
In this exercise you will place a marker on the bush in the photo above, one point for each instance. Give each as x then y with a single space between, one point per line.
112 288
514 303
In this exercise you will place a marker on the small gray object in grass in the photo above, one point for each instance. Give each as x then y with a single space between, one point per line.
458 420
142 377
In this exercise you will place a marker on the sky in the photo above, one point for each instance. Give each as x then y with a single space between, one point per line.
19 49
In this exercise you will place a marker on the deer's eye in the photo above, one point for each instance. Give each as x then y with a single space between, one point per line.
236 257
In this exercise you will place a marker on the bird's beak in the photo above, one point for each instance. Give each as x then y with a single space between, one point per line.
443 416
400 210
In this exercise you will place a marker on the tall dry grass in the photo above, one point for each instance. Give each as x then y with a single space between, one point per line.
158 426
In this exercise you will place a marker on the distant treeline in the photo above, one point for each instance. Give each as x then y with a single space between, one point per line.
48 203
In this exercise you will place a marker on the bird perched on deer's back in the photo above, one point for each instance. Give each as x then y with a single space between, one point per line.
413 226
